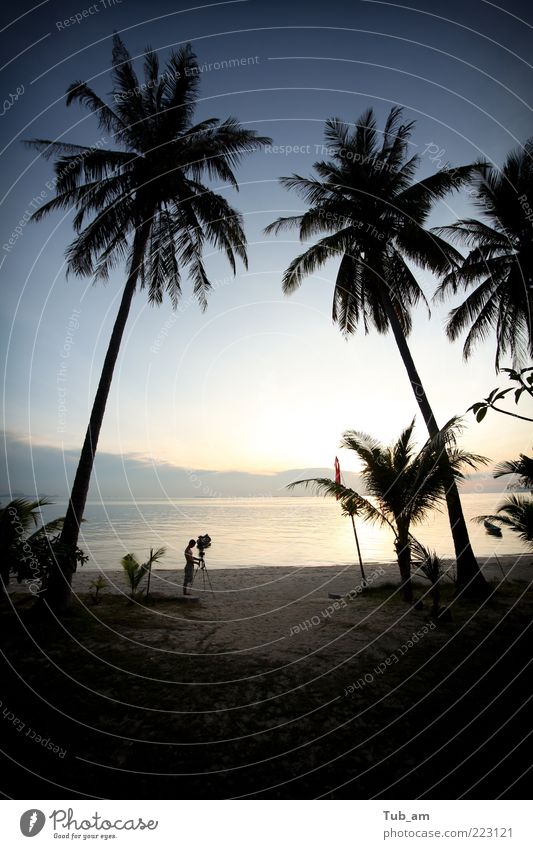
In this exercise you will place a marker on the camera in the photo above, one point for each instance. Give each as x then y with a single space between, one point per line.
203 542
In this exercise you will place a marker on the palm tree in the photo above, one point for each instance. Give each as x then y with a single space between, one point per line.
19 549
373 213
402 485
432 567
143 202
153 557
136 571
499 265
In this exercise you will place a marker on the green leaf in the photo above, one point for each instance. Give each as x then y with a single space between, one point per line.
481 414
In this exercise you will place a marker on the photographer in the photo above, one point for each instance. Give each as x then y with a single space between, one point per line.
190 562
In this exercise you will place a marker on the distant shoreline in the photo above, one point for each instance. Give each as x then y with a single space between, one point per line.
142 499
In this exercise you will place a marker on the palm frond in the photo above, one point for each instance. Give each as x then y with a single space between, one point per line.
427 249
46 529
352 503
516 513
135 572
157 555
314 257
473 233
310 190
418 199
523 467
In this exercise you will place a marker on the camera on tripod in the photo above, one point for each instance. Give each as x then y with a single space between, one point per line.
202 543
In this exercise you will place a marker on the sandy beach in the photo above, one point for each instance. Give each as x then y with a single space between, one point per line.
267 687
273 613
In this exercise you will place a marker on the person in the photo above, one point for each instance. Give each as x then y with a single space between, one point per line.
190 561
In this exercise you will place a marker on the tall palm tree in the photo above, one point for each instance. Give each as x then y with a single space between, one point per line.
373 214
143 202
402 485
499 266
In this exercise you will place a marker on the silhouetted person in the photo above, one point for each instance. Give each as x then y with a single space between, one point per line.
190 561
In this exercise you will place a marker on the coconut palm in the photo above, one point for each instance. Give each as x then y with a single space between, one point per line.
499 266
144 203
364 198
401 485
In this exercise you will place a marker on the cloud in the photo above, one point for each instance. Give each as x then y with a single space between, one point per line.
34 469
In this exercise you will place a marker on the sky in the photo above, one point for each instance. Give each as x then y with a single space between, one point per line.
260 383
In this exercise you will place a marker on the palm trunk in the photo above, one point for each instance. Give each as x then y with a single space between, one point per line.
4 580
58 591
361 567
403 552
470 581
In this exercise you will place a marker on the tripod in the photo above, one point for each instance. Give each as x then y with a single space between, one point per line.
203 569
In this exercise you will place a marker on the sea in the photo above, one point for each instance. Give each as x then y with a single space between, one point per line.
265 531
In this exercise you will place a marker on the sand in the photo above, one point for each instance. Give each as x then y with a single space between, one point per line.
270 612
280 679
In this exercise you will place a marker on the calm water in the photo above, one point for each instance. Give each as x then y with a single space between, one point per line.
262 531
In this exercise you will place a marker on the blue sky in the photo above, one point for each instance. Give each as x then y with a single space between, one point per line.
259 383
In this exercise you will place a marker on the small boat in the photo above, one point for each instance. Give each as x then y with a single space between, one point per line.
492 529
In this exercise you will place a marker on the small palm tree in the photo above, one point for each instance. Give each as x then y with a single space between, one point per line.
135 571
499 266
97 584
154 557
402 485
429 564
19 547
144 203
373 214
